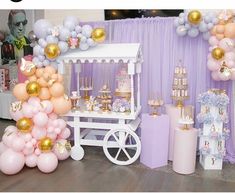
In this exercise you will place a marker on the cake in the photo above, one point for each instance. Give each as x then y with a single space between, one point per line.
123 81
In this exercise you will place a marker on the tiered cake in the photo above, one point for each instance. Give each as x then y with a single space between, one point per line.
213 115
180 86
123 83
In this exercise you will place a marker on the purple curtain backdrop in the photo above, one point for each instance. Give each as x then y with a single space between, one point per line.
162 50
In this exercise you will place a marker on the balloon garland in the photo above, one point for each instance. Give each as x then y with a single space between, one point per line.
50 41
219 29
40 137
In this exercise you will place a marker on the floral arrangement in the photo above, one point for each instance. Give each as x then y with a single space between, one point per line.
212 99
93 105
206 118
121 105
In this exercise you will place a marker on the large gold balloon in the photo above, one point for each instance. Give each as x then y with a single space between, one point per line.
194 17
98 35
33 88
45 144
24 124
217 53
52 51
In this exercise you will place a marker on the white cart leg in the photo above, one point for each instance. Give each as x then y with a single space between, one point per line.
77 152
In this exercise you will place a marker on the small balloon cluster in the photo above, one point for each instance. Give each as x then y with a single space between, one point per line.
49 42
221 57
39 138
193 22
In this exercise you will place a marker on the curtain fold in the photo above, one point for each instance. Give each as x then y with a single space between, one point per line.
162 49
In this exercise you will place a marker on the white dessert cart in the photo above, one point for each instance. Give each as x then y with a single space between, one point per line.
120 143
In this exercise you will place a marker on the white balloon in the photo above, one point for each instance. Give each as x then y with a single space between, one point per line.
176 22
78 29
64 34
87 30
181 21
181 14
42 42
41 58
83 46
181 30
206 35
41 27
83 39
70 22
36 50
193 32
73 34
51 39
203 27
91 42
63 46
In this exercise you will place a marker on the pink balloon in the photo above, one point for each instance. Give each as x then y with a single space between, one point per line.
16 115
233 76
62 124
55 123
31 160
226 44
29 145
11 162
52 135
38 133
10 129
215 76
28 151
8 138
230 64
230 56
37 151
53 116
65 133
34 141
40 119
47 106
60 151
3 147
57 130
213 65
50 129
18 144
27 110
34 100
47 162
213 41
26 136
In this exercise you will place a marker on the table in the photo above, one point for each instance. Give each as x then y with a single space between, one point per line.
6 98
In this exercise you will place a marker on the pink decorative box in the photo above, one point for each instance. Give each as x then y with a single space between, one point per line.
154 140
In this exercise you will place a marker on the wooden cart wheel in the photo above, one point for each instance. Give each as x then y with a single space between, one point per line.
122 146
77 152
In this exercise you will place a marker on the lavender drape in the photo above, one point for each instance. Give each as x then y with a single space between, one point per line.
162 50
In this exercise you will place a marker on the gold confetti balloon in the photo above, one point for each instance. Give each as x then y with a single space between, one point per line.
98 35
45 144
194 17
52 51
24 125
217 53
33 88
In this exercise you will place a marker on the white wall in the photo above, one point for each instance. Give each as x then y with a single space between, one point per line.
56 16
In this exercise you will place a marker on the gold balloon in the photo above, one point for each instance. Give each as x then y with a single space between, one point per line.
45 144
98 35
33 88
52 51
194 17
24 124
217 53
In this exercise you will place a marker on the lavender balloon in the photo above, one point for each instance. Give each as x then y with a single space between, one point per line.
181 30
41 27
51 39
63 46
64 34
70 23
87 30
83 46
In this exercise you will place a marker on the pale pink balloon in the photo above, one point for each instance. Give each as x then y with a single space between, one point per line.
233 75
60 151
213 65
31 160
229 31
230 56
58 130
223 77
215 76
18 144
47 106
220 29
34 100
52 135
33 141
3 147
26 136
230 63
29 145
219 36
65 133
27 110
53 116
47 162
11 162
10 129
213 41
55 123
62 124
50 129
40 119
226 44
28 151
16 115
8 138
38 133
37 151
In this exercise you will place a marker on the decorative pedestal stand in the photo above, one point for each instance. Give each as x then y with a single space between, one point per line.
174 114
154 140
185 145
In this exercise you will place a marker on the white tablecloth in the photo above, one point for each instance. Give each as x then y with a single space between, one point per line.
6 98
